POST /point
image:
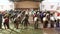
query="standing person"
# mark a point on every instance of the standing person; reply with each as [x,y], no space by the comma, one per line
[36,22]
[0,20]
[34,16]
[52,20]
[26,22]
[41,16]
[57,23]
[16,22]
[6,22]
[45,22]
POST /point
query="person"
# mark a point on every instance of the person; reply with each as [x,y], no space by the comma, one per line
[26,22]
[0,20]
[36,22]
[45,22]
[16,22]
[6,22]
[52,20]
[41,17]
[57,23]
[34,16]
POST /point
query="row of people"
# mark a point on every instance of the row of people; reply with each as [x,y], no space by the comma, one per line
[45,18]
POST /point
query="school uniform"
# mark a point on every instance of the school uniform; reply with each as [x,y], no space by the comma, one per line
[6,22]
[45,22]
[52,21]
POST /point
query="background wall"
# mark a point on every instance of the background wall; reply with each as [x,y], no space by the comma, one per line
[26,4]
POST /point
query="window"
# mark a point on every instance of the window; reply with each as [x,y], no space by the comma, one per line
[6,5]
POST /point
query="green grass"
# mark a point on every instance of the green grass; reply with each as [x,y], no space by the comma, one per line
[32,31]
[29,30]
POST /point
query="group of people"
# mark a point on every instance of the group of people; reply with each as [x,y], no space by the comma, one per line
[16,19]
[46,18]
[23,18]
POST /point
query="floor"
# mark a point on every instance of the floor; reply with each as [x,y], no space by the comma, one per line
[29,30]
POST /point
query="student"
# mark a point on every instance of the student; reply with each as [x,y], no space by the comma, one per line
[26,22]
[52,20]
[57,23]
[16,22]
[6,22]
[36,23]
[34,16]
[41,17]
[45,22]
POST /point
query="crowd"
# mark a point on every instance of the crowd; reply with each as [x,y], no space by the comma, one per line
[21,17]
[47,18]
[16,18]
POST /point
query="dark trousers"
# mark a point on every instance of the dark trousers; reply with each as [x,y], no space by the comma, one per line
[41,20]
[45,24]
[0,21]
[52,24]
[16,25]
[36,25]
[6,24]
[26,23]
[0,25]
[57,24]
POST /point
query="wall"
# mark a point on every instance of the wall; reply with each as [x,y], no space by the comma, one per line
[26,4]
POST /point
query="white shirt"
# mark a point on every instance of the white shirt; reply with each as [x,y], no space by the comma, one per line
[35,18]
[44,19]
[52,18]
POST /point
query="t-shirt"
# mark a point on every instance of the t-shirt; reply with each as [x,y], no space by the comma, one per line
[6,20]
[44,19]
[52,18]
[35,19]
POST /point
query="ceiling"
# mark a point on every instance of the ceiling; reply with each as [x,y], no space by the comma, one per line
[26,0]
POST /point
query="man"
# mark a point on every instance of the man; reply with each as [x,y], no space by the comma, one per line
[26,22]
[36,22]
[6,22]
[41,16]
[52,20]
[45,22]
[57,22]
[16,22]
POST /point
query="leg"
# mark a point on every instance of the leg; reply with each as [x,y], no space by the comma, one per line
[52,24]
[8,25]
[36,25]
[0,25]
[5,25]
[17,25]
[45,24]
